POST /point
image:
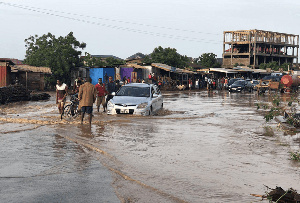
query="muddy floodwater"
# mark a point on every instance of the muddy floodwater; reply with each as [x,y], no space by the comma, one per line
[202,147]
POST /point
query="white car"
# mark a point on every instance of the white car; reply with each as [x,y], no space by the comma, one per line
[136,98]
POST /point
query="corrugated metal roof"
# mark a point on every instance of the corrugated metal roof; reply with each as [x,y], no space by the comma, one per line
[27,68]
[163,66]
[171,69]
[223,70]
[135,66]
[11,61]
[179,70]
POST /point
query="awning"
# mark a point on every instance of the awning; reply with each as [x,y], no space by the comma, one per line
[133,65]
[164,67]
[171,69]
[179,70]
[222,70]
[27,68]
[203,70]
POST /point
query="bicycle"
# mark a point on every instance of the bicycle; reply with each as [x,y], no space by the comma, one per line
[71,110]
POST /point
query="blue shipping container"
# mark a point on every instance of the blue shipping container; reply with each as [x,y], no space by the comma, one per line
[104,73]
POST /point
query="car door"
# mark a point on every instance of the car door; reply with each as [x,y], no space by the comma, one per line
[153,99]
[158,98]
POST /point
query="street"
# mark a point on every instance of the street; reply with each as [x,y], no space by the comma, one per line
[202,147]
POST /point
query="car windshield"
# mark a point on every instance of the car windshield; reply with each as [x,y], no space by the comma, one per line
[134,91]
[231,81]
[255,82]
[239,82]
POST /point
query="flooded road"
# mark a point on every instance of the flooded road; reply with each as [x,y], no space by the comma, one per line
[203,147]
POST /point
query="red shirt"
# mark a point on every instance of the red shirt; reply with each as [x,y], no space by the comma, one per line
[101,91]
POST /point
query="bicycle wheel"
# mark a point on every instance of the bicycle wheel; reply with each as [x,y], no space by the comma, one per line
[68,110]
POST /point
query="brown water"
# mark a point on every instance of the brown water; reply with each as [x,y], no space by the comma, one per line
[203,147]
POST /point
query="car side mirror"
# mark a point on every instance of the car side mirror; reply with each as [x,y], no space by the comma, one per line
[113,94]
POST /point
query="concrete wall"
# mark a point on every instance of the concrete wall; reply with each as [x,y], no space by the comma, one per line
[227,61]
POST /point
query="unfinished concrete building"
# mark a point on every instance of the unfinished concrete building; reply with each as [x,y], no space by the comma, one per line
[253,47]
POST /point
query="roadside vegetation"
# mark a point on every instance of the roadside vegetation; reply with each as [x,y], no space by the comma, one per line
[295,156]
[287,109]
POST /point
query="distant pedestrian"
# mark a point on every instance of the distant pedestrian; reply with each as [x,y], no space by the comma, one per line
[87,96]
[111,87]
[118,85]
[61,95]
[190,83]
[209,83]
[226,83]
[222,82]
[77,84]
[101,92]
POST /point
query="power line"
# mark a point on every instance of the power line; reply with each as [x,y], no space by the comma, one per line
[118,21]
[52,13]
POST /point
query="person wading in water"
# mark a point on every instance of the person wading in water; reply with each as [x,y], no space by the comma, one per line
[61,95]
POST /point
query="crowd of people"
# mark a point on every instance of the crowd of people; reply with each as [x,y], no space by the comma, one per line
[87,94]
[101,93]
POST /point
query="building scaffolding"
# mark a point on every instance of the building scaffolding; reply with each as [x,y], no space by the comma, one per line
[253,47]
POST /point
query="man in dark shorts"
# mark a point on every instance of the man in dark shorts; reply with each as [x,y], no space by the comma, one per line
[87,96]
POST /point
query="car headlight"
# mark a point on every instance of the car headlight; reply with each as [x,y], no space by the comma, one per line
[142,105]
[110,104]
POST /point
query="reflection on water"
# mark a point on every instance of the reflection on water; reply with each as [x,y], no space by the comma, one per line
[90,131]
[85,131]
[69,156]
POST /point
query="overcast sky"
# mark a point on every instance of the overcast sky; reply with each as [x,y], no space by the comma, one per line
[123,28]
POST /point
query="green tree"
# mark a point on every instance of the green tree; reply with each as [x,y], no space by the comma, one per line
[286,66]
[263,66]
[60,54]
[208,60]
[110,61]
[90,61]
[147,60]
[168,56]
[274,66]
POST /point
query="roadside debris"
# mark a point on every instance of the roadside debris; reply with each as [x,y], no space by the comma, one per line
[19,93]
[41,96]
[13,94]
[281,196]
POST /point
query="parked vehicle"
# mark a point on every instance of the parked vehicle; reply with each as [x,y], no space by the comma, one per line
[232,80]
[251,85]
[238,86]
[136,98]
[274,78]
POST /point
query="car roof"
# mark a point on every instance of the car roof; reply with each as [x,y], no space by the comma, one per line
[139,85]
